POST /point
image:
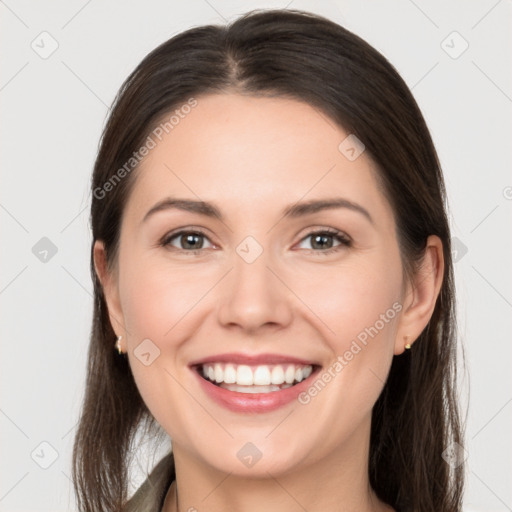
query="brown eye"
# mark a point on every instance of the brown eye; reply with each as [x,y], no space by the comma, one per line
[323,241]
[188,241]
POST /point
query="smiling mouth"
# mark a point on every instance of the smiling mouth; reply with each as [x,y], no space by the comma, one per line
[255,379]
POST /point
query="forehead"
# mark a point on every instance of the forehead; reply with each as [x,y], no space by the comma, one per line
[244,151]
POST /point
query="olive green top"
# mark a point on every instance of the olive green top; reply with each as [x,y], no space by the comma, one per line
[150,496]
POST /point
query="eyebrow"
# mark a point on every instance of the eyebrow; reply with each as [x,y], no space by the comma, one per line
[295,210]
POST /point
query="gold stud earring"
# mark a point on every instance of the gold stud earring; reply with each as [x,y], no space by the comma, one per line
[407,345]
[118,344]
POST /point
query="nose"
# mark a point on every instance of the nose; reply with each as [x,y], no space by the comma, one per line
[254,296]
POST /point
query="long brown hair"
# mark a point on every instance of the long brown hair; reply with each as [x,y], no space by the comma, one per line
[302,56]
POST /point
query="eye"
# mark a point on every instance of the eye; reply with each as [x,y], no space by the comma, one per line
[189,241]
[322,241]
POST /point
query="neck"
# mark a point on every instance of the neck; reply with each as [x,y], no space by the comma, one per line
[337,482]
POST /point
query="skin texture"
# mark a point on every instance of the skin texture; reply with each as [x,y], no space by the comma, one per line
[252,157]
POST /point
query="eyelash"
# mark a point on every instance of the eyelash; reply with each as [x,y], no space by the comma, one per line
[344,240]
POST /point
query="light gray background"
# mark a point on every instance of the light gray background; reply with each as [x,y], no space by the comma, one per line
[53,110]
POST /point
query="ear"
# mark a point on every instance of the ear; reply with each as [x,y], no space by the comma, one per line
[109,283]
[421,295]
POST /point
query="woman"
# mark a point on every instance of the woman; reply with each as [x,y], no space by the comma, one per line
[271,261]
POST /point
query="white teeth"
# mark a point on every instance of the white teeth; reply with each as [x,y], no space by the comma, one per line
[230,374]
[277,375]
[262,376]
[244,376]
[253,389]
[268,376]
[219,377]
[289,375]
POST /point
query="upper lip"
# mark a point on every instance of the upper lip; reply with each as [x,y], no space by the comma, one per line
[251,359]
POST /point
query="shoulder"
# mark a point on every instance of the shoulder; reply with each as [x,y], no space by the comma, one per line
[151,494]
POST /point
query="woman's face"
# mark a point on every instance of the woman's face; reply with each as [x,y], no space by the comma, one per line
[259,282]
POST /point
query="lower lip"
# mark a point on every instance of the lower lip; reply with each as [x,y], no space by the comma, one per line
[253,402]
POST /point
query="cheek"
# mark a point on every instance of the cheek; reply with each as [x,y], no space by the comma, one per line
[156,303]
[357,312]
[157,296]
[350,300]
[366,312]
